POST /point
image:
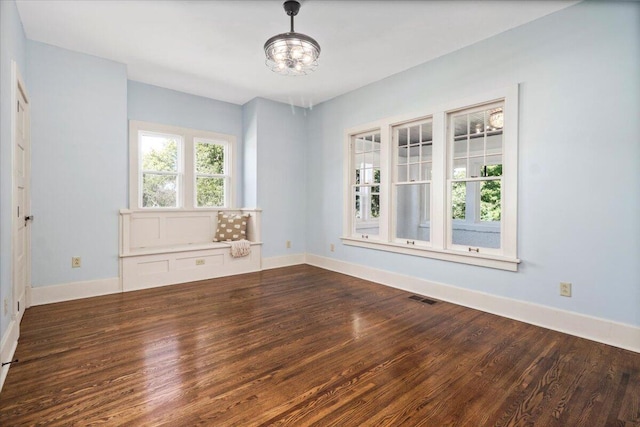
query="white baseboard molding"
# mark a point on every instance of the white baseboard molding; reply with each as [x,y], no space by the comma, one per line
[76,290]
[8,346]
[593,328]
[282,261]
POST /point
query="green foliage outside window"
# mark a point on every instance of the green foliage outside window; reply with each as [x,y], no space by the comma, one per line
[160,190]
[209,160]
[490,196]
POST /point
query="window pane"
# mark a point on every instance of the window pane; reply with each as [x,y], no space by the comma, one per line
[414,172]
[368,159]
[490,201]
[402,137]
[459,169]
[460,125]
[403,155]
[493,166]
[368,144]
[159,191]
[427,152]
[402,173]
[412,212]
[209,191]
[414,134]
[494,144]
[367,176]
[427,132]
[414,153]
[476,123]
[460,148]
[476,146]
[159,153]
[366,209]
[426,171]
[458,200]
[209,158]
[476,211]
[376,176]
[375,159]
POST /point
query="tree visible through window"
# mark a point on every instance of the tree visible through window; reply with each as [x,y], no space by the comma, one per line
[179,168]
[441,183]
[160,170]
[210,174]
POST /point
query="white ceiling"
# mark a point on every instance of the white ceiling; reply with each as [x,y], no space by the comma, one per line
[215,48]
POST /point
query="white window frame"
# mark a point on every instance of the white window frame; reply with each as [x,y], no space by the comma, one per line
[186,157]
[438,247]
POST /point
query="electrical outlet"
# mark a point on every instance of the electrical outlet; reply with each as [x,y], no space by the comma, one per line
[565,289]
[288,244]
[200,261]
[332,247]
[75,262]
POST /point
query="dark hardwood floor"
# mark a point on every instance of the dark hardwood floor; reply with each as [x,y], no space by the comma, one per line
[304,346]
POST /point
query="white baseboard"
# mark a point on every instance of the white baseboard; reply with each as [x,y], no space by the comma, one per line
[8,346]
[589,327]
[75,290]
[282,261]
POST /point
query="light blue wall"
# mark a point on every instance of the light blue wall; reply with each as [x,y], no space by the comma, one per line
[159,105]
[280,176]
[579,166]
[12,47]
[79,163]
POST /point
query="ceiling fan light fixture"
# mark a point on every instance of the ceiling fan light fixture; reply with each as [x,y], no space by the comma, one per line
[292,54]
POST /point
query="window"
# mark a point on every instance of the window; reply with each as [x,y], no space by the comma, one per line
[212,173]
[173,167]
[442,184]
[365,183]
[412,186]
[475,178]
[160,169]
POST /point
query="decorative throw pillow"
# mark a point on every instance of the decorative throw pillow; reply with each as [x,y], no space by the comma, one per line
[231,227]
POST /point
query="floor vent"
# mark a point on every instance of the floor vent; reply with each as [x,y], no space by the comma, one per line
[422,299]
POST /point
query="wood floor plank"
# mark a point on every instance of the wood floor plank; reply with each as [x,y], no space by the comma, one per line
[303,346]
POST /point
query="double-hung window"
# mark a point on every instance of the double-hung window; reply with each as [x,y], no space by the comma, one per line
[439,184]
[160,169]
[179,168]
[365,184]
[413,143]
[475,178]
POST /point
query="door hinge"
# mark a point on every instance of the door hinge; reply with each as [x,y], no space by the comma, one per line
[18,306]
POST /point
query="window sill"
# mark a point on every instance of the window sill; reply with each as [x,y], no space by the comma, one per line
[482,260]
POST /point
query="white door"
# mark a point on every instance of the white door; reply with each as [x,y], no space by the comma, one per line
[21,197]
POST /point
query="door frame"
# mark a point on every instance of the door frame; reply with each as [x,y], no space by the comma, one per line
[17,84]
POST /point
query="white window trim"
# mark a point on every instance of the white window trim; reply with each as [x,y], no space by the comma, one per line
[438,244]
[186,168]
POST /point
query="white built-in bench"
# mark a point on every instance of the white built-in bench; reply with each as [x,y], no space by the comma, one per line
[160,248]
